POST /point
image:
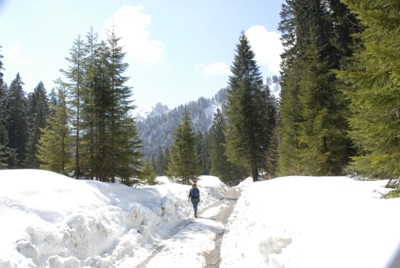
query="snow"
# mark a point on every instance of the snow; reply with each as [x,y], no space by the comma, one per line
[49,220]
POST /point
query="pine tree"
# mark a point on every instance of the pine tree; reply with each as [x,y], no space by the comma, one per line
[248,126]
[220,166]
[54,146]
[183,162]
[93,82]
[125,143]
[374,82]
[160,162]
[313,130]
[37,113]
[148,174]
[75,78]
[16,120]
[203,152]
[3,132]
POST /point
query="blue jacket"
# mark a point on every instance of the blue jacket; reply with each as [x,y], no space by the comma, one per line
[194,192]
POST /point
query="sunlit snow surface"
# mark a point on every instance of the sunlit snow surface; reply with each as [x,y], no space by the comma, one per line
[49,220]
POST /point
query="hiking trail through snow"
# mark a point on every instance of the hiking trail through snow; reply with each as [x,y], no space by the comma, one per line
[191,243]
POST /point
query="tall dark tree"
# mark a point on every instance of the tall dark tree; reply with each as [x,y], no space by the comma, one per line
[95,80]
[16,120]
[3,131]
[183,162]
[203,153]
[314,138]
[38,110]
[125,144]
[248,126]
[220,166]
[373,87]
[160,161]
[75,76]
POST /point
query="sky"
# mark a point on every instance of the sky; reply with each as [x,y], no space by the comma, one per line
[49,220]
[177,51]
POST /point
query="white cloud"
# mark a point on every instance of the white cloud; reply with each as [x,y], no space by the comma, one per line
[13,53]
[266,46]
[216,68]
[27,61]
[131,25]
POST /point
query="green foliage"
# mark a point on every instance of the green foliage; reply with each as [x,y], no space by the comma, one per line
[38,110]
[104,136]
[183,162]
[148,174]
[313,132]
[373,88]
[203,152]
[220,166]
[54,146]
[3,131]
[393,194]
[249,123]
[15,116]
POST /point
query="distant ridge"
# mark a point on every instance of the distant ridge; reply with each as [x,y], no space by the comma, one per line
[156,125]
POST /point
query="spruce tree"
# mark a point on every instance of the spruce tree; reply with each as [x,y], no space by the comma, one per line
[248,126]
[16,120]
[3,132]
[313,110]
[94,70]
[54,145]
[75,76]
[203,152]
[148,175]
[183,162]
[38,110]
[373,87]
[220,166]
[125,143]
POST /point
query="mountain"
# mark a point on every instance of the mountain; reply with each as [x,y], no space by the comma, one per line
[156,125]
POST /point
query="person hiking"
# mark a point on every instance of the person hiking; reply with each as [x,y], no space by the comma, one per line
[194,196]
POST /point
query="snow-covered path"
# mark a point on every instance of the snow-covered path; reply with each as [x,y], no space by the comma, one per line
[52,221]
[197,242]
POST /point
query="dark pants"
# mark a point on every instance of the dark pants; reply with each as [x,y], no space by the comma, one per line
[195,202]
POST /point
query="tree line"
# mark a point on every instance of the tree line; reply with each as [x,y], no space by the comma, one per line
[86,129]
[338,110]
[339,104]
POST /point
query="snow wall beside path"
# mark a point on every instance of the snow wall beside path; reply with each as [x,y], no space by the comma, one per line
[312,222]
[49,220]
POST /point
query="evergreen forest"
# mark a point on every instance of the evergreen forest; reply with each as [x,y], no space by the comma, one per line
[338,111]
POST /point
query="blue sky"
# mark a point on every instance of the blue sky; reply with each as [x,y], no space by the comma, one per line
[178,51]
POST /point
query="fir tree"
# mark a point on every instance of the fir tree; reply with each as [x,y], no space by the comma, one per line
[373,78]
[183,162]
[220,166]
[54,146]
[75,79]
[148,174]
[16,120]
[37,113]
[125,142]
[248,126]
[3,131]
[203,152]
[313,133]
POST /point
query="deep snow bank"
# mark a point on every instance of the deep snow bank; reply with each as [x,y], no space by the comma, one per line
[312,222]
[49,220]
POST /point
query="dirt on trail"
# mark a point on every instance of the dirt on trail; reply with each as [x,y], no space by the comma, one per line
[193,231]
[227,205]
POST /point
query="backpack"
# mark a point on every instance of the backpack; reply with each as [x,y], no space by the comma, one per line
[194,192]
